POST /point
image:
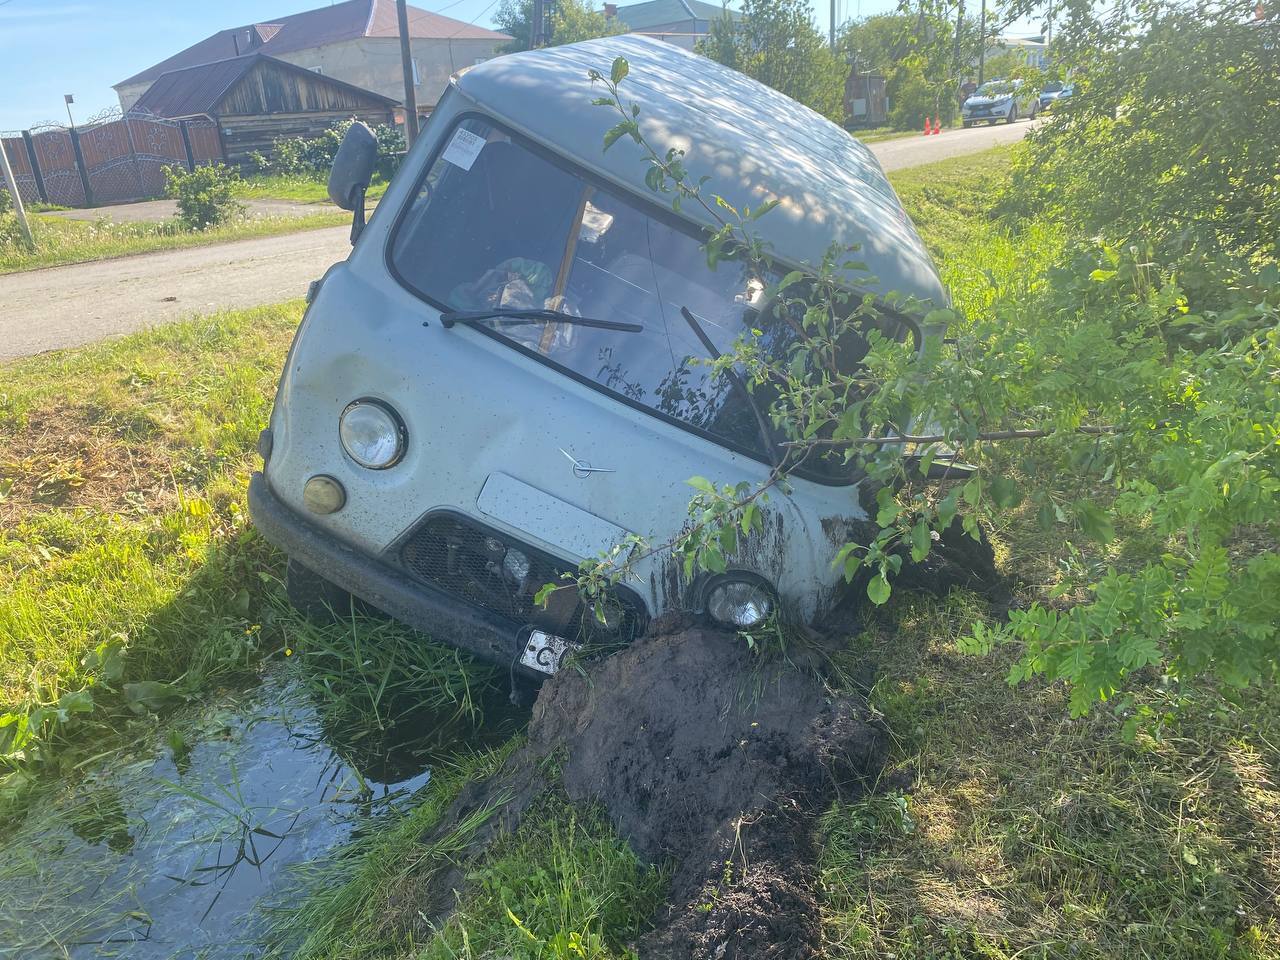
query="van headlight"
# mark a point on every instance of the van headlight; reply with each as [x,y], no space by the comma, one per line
[372,434]
[740,601]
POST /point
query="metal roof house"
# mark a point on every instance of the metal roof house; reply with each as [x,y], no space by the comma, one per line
[255,98]
[356,42]
[682,22]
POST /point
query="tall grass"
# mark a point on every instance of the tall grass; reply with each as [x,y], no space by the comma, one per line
[130,578]
[61,241]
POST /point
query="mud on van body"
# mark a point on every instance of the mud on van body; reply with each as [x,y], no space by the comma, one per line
[499,381]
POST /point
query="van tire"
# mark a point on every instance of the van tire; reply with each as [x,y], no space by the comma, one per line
[317,599]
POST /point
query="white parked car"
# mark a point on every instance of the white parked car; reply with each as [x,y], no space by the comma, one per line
[500,380]
[1000,100]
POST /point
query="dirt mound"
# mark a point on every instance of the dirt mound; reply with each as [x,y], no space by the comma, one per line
[711,757]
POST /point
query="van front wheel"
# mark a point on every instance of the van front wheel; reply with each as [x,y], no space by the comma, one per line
[320,601]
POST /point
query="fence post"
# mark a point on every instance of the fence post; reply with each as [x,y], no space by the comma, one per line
[35,167]
[186,145]
[133,157]
[84,174]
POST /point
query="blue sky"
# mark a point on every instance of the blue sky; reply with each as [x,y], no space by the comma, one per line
[82,47]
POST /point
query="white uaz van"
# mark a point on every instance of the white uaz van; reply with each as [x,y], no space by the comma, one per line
[499,381]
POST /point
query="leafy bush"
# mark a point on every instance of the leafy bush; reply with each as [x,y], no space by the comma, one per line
[1170,137]
[1104,394]
[299,156]
[912,98]
[6,202]
[205,195]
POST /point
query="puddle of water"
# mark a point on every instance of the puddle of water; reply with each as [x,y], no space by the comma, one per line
[157,858]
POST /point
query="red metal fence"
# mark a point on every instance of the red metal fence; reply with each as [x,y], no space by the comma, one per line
[112,160]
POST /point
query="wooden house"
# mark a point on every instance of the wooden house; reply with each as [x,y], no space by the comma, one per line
[255,99]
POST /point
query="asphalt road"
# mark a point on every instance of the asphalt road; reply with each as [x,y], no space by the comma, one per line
[68,306]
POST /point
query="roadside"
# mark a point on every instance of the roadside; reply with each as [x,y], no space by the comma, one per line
[903,152]
[158,210]
[70,306]
[128,570]
[74,243]
[77,304]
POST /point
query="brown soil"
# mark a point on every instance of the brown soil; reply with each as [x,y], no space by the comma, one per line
[709,758]
[65,457]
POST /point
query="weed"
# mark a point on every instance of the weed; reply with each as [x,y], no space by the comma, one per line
[562,887]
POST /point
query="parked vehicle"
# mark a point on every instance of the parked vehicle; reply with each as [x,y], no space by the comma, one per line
[502,379]
[1054,92]
[1000,100]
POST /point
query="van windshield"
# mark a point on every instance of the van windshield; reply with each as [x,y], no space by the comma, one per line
[499,225]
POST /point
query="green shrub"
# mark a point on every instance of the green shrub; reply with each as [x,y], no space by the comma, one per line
[205,195]
[300,156]
[1170,138]
[912,98]
[6,203]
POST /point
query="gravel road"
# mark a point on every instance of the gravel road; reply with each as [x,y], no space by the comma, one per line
[68,306]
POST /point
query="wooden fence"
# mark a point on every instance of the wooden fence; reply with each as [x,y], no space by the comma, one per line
[114,160]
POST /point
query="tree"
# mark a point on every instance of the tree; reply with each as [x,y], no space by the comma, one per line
[880,42]
[776,42]
[916,54]
[573,20]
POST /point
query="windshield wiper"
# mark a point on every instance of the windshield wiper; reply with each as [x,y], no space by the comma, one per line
[762,425]
[533,315]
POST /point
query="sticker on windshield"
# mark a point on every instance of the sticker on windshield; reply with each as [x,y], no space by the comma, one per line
[463,149]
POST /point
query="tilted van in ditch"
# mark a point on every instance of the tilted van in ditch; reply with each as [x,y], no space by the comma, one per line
[500,381]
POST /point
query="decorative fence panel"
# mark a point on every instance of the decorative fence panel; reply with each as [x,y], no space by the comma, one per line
[59,169]
[15,149]
[111,160]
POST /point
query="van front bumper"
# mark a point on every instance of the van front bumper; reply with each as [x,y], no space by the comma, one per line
[443,617]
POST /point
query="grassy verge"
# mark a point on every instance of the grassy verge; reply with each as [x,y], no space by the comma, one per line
[1028,834]
[125,557]
[298,188]
[880,134]
[61,241]
[129,577]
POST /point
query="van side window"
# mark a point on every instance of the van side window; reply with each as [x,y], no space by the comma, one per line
[498,224]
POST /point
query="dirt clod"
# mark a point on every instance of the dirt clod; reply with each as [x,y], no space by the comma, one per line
[714,759]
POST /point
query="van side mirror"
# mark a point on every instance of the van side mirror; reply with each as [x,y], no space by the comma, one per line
[351,172]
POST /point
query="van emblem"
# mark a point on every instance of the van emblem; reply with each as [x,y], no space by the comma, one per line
[582,469]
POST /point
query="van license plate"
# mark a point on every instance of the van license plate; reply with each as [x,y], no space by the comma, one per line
[544,651]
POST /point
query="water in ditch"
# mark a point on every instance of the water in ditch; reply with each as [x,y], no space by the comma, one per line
[175,851]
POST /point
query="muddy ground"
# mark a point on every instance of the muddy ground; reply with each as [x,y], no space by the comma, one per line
[713,758]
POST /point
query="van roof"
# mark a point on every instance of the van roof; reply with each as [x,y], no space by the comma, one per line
[752,141]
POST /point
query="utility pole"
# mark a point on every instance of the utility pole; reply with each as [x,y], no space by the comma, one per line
[12,183]
[406,64]
[982,45]
[833,24]
[68,99]
[535,24]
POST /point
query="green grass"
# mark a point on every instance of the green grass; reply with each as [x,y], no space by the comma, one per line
[562,886]
[1029,834]
[1025,833]
[61,241]
[129,574]
[302,189]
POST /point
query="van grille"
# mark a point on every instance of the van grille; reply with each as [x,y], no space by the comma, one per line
[496,572]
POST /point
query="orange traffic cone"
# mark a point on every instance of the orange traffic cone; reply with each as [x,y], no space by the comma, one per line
[927,131]
[937,125]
